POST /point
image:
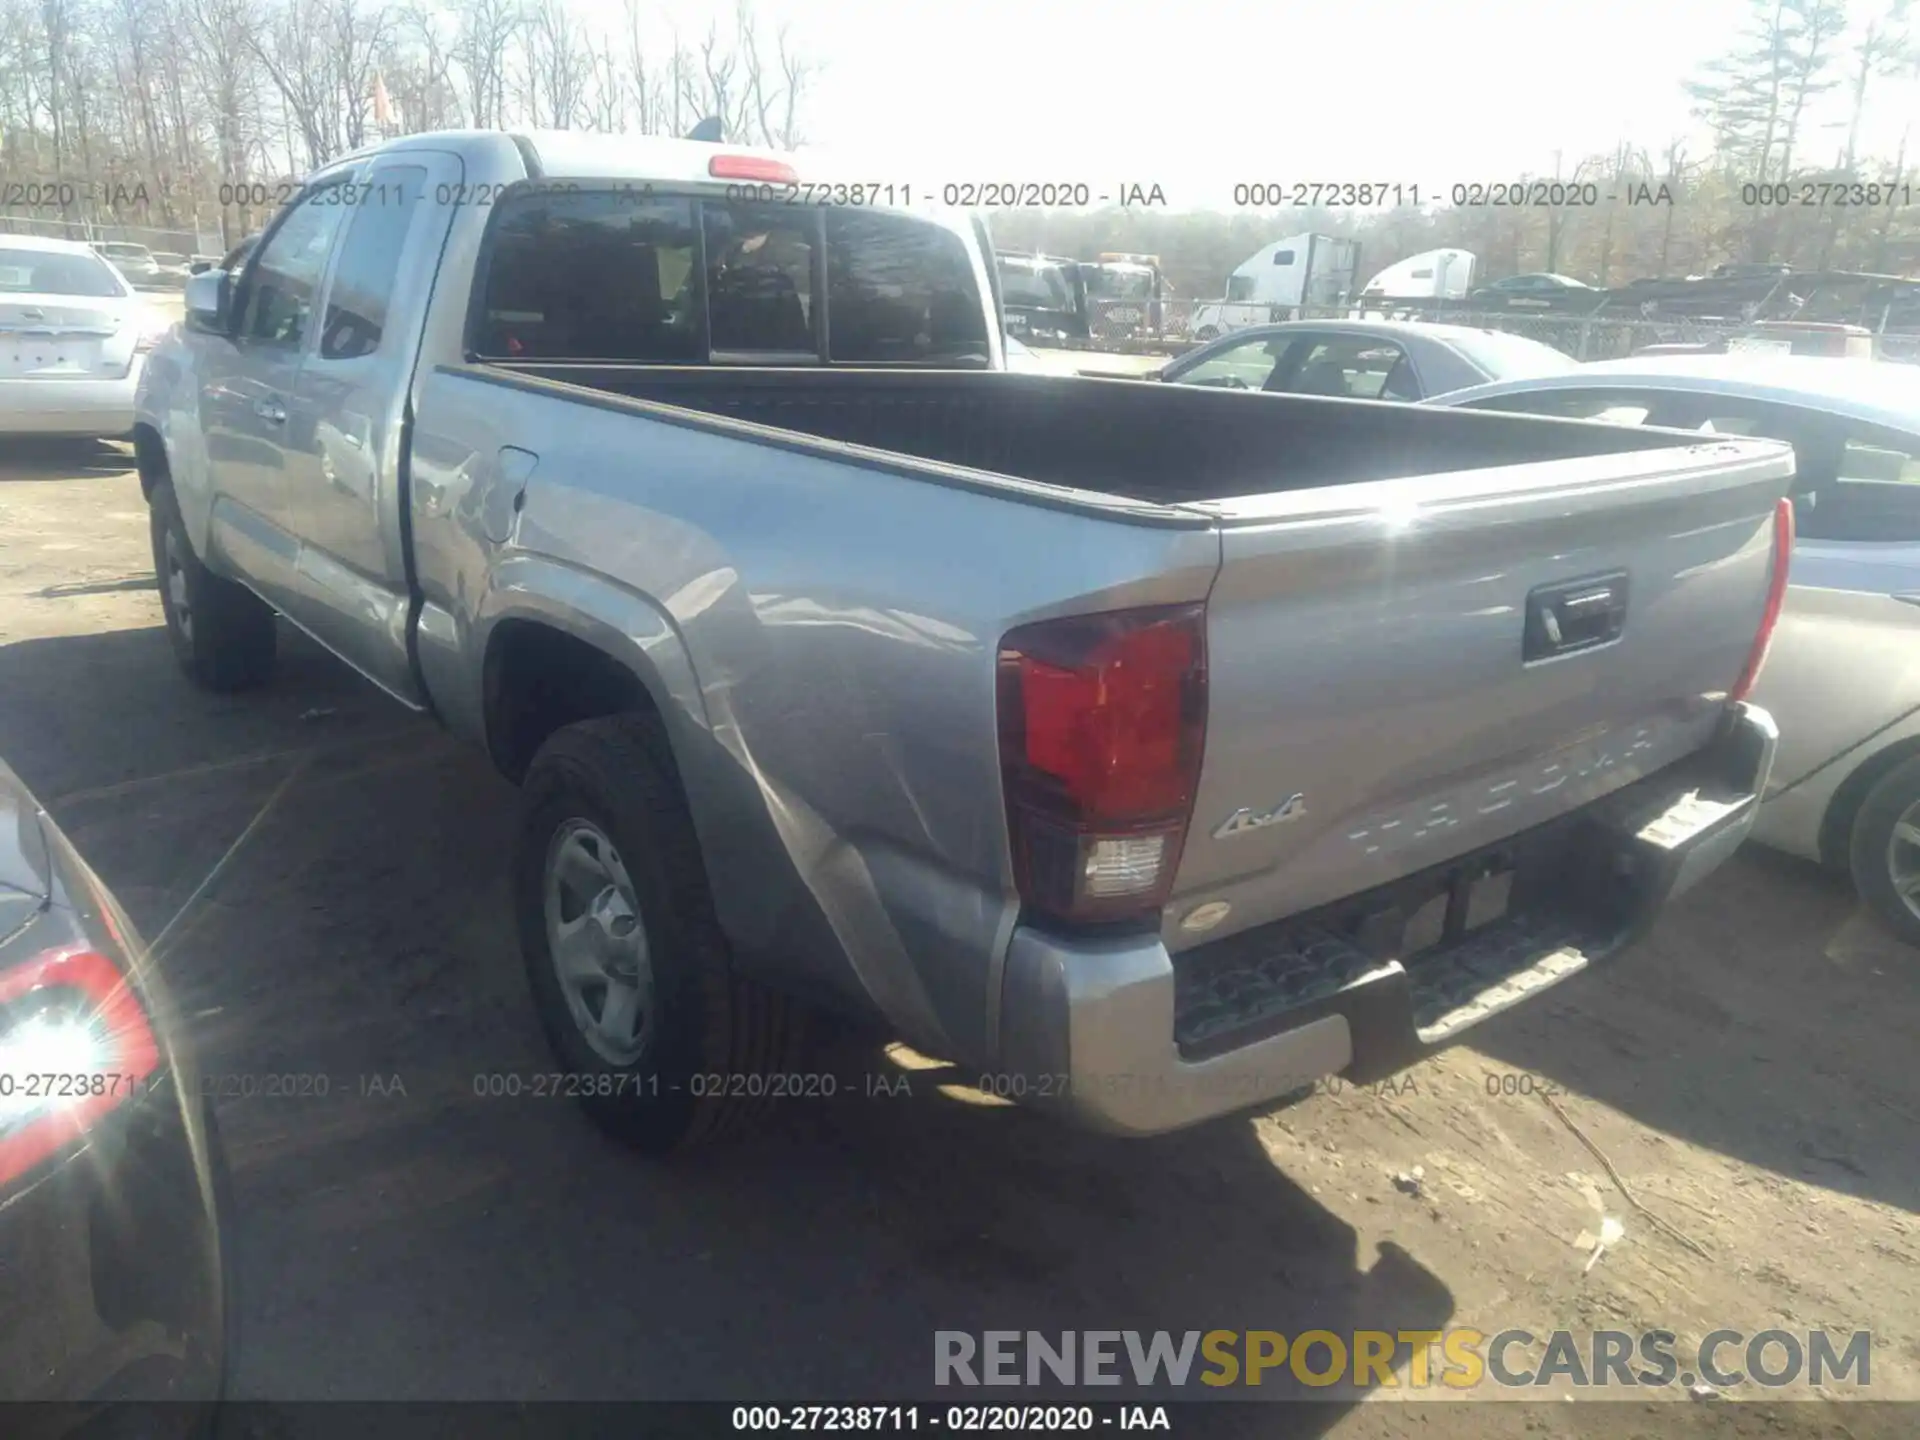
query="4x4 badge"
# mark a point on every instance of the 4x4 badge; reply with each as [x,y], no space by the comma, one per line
[1246,818]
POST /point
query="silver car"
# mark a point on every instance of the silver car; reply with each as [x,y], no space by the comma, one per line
[1843,677]
[73,339]
[1364,359]
[136,262]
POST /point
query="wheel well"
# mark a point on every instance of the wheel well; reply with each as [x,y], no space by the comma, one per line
[1836,829]
[150,456]
[538,679]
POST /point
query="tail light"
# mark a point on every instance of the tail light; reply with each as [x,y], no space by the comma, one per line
[1102,722]
[75,1043]
[149,331]
[1776,598]
[752,167]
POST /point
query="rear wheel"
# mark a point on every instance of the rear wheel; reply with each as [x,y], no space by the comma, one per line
[663,1044]
[1885,851]
[1207,332]
[222,632]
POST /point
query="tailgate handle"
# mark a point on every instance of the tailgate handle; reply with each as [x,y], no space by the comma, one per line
[1574,615]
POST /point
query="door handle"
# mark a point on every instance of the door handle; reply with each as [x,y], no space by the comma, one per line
[1574,615]
[272,411]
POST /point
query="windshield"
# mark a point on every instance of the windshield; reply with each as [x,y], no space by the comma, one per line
[1035,287]
[1240,287]
[57,272]
[1120,282]
[126,252]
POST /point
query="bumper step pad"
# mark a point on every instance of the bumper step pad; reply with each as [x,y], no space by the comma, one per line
[1244,991]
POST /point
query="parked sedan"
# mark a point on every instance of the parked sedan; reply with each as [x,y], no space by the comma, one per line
[113,1281]
[73,340]
[1364,359]
[136,262]
[1843,678]
[1539,283]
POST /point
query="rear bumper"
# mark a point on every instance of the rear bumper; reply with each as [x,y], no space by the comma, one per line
[1118,1035]
[79,408]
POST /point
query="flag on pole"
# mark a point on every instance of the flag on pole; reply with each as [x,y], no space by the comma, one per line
[382,106]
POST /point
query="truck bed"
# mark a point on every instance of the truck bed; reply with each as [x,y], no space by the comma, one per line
[1377,581]
[1144,441]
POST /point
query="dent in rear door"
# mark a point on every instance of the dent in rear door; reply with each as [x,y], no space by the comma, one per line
[344,480]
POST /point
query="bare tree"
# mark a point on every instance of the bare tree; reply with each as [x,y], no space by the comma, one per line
[1885,49]
[556,66]
[484,40]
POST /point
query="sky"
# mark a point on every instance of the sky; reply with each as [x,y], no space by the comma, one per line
[1198,95]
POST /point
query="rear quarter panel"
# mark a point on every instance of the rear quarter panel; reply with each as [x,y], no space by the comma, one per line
[820,631]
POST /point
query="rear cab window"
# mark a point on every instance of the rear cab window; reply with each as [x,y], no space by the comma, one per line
[621,272]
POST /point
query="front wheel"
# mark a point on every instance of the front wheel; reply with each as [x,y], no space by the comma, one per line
[222,633]
[631,976]
[1207,332]
[1885,850]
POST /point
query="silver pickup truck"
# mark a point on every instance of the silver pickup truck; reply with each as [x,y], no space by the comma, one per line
[1156,750]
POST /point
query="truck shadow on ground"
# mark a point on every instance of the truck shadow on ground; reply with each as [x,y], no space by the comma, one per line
[1768,1017]
[411,1228]
[31,459]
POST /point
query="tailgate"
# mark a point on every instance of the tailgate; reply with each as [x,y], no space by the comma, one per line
[1403,671]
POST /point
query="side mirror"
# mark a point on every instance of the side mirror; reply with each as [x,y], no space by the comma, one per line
[206,302]
[199,267]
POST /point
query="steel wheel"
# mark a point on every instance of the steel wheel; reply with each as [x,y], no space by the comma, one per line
[598,943]
[175,580]
[1903,858]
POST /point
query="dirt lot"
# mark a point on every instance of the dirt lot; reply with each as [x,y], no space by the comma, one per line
[1749,1075]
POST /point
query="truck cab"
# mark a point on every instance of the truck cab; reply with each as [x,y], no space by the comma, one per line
[1302,271]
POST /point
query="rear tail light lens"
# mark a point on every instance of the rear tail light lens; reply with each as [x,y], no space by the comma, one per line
[75,1043]
[1776,598]
[1102,723]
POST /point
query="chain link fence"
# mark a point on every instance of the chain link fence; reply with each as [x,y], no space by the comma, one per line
[172,250]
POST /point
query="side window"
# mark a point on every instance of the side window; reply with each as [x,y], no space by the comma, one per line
[760,297]
[1616,407]
[369,263]
[281,284]
[903,289]
[1853,481]
[1246,366]
[1400,383]
[591,275]
[1354,368]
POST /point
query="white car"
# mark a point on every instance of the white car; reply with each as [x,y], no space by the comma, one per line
[73,339]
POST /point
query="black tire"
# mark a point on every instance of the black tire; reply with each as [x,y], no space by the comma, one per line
[225,640]
[1207,333]
[714,1037]
[1871,848]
